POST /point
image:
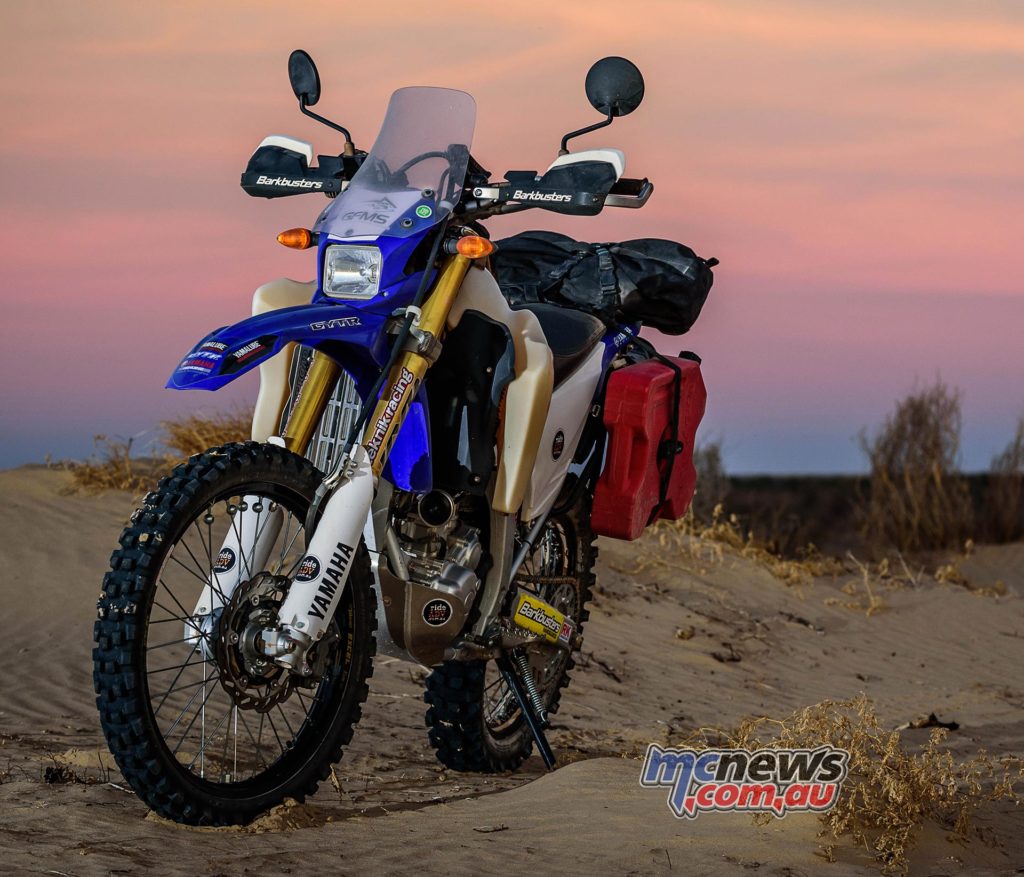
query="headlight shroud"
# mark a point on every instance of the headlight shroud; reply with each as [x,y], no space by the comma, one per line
[351,271]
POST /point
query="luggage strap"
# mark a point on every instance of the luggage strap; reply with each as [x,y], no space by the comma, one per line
[606,271]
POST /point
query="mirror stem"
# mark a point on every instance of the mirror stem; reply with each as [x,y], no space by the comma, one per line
[308,112]
[564,150]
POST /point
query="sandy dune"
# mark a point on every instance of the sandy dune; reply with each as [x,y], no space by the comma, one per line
[935,649]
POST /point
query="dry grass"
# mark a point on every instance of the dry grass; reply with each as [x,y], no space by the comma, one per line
[111,467]
[688,542]
[114,467]
[1004,496]
[712,481]
[891,791]
[917,499]
[194,433]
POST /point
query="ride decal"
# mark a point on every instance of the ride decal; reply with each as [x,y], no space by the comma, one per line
[775,781]
[334,577]
[225,560]
[558,445]
[537,616]
[437,612]
[380,429]
[308,569]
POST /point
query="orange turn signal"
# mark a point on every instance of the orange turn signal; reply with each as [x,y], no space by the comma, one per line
[296,238]
[474,247]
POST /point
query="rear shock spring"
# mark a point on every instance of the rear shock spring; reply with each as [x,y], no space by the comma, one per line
[530,684]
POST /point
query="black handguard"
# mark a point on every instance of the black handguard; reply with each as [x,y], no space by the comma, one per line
[276,171]
[578,189]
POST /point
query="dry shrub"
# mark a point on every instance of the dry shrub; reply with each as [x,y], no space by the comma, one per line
[712,482]
[1004,495]
[194,433]
[918,499]
[113,467]
[890,791]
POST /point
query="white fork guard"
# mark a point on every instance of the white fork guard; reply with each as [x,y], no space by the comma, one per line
[320,580]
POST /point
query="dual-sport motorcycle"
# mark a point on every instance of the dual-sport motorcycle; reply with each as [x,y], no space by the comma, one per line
[443,427]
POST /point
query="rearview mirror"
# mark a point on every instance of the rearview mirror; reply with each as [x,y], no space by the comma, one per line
[614,86]
[304,78]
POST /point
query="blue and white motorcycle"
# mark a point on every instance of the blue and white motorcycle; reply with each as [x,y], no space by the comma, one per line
[418,482]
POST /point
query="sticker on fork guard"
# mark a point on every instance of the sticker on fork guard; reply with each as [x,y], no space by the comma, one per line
[538,617]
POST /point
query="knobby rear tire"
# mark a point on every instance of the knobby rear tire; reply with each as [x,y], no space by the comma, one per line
[455,690]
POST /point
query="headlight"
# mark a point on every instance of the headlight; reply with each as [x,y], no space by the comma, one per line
[351,271]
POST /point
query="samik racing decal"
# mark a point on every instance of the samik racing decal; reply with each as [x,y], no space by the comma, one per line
[775,781]
[520,195]
[380,429]
[537,616]
[334,577]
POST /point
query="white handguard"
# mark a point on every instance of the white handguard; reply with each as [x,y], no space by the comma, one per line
[321,575]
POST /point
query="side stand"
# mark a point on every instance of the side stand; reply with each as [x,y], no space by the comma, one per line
[512,680]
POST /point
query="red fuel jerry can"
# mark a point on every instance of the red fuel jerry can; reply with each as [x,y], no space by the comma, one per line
[638,417]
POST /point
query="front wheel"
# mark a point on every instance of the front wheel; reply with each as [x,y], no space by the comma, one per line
[204,730]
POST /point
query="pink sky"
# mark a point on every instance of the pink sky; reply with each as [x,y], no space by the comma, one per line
[858,168]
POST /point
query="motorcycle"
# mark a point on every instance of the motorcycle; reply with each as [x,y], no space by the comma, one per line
[431,460]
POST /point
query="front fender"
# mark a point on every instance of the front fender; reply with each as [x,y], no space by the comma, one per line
[231,351]
[354,338]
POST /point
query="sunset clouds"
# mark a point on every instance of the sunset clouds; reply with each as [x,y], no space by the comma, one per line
[858,167]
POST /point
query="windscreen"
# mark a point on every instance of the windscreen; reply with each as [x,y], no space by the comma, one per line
[413,176]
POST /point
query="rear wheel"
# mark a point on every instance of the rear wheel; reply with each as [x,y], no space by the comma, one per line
[475,722]
[204,730]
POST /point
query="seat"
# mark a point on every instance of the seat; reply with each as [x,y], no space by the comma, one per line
[570,334]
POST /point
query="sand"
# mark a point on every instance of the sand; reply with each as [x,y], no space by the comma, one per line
[934,648]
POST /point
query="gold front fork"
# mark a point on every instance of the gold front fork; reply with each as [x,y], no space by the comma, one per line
[311,402]
[402,383]
[412,364]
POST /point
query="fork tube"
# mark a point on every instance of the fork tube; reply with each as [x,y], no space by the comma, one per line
[311,402]
[411,365]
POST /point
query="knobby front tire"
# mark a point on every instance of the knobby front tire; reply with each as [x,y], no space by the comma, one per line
[152,732]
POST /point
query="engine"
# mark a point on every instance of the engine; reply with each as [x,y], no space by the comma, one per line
[430,578]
